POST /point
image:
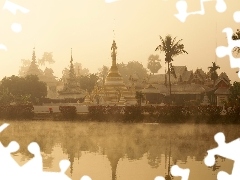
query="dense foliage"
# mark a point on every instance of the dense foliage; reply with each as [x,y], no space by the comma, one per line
[213,72]
[16,111]
[68,112]
[165,114]
[88,82]
[132,68]
[171,47]
[154,63]
[234,96]
[22,90]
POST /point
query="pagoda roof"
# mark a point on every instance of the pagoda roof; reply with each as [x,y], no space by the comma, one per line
[179,70]
[222,90]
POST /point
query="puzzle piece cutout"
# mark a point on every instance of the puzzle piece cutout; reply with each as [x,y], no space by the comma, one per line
[226,150]
[33,169]
[182,5]
[223,51]
[3,126]
[13,8]
[85,178]
[177,171]
[110,1]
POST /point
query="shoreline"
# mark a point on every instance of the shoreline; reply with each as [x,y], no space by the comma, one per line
[145,118]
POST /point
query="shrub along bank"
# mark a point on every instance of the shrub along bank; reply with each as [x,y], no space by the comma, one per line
[165,114]
[157,114]
[16,112]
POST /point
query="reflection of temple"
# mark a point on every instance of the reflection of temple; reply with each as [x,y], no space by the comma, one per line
[114,88]
[71,88]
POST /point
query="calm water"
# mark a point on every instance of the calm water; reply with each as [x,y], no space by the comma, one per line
[107,151]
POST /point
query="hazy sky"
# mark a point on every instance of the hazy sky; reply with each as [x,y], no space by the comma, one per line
[87,26]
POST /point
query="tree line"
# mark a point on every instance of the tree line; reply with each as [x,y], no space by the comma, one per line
[29,89]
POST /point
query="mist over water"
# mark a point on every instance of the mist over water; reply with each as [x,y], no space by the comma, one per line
[120,151]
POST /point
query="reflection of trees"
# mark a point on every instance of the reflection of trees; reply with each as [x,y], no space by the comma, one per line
[117,140]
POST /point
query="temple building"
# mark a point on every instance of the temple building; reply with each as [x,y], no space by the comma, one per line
[71,89]
[33,68]
[46,76]
[114,90]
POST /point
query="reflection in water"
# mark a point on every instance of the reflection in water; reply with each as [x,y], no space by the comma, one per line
[119,151]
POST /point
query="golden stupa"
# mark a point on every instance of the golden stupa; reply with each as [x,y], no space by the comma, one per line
[114,88]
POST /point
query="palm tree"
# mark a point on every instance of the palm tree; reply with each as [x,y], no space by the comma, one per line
[213,72]
[171,47]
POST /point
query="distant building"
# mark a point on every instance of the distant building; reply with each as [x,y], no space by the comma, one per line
[33,68]
[222,86]
[114,90]
[46,76]
[71,89]
[187,86]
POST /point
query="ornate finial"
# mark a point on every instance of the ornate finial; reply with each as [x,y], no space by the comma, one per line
[71,56]
[114,46]
[114,28]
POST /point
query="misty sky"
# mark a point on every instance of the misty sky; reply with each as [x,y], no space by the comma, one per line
[87,26]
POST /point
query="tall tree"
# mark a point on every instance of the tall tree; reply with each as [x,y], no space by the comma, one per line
[47,57]
[132,68]
[19,87]
[79,70]
[24,68]
[103,72]
[88,82]
[154,63]
[171,47]
[213,72]
[234,96]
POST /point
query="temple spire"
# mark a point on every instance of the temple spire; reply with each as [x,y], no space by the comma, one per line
[114,53]
[71,71]
[34,56]
[71,57]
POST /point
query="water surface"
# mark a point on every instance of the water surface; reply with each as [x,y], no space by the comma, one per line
[107,151]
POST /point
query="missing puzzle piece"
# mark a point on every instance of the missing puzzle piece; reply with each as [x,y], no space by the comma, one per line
[226,150]
[7,164]
[182,6]
[177,171]
[223,51]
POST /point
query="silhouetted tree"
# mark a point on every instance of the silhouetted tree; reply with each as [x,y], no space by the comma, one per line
[213,72]
[47,57]
[234,96]
[24,68]
[88,82]
[103,72]
[171,47]
[131,68]
[79,70]
[28,87]
[154,63]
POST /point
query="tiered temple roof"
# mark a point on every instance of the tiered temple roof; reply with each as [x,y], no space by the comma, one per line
[33,68]
[71,88]
[114,88]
